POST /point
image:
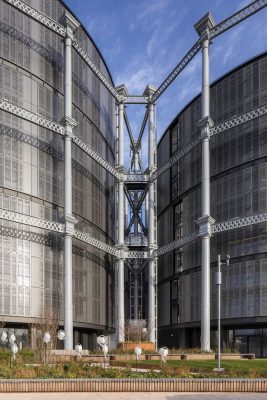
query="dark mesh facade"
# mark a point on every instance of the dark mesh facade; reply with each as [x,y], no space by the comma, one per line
[238,168]
[32,173]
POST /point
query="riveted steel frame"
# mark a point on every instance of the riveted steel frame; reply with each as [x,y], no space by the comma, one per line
[120,252]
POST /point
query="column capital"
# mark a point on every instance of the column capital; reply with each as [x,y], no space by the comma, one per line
[204,125]
[69,123]
[122,92]
[149,91]
[204,25]
[70,221]
[70,23]
[204,224]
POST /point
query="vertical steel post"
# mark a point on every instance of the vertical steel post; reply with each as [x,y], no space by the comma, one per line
[151,220]
[120,321]
[136,295]
[203,28]
[219,283]
[71,26]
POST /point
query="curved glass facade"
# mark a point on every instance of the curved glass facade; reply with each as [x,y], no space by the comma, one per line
[31,182]
[238,168]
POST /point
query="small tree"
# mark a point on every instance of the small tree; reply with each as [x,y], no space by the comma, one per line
[49,323]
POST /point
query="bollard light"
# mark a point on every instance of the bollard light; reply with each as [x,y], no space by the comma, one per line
[163,352]
[138,352]
[101,340]
[46,337]
[105,349]
[78,349]
[61,335]
[14,349]
[4,337]
[12,339]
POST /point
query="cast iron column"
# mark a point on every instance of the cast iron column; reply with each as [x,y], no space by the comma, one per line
[151,219]
[203,28]
[71,25]
[120,320]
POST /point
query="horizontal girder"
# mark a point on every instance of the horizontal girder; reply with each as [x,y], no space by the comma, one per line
[238,222]
[240,119]
[239,16]
[38,16]
[96,70]
[32,221]
[177,70]
[30,116]
[222,127]
[216,31]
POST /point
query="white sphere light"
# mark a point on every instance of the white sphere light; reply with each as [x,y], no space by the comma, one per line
[78,348]
[14,348]
[4,336]
[138,351]
[47,337]
[61,334]
[105,349]
[101,340]
[12,338]
[163,352]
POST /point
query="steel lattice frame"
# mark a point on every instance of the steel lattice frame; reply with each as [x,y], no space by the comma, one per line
[148,98]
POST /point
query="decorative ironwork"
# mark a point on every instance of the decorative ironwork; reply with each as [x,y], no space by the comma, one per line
[238,222]
[30,116]
[85,237]
[46,240]
[135,100]
[135,178]
[88,150]
[96,70]
[38,16]
[176,158]
[240,119]
[176,244]
[136,254]
[239,16]
[32,221]
[139,240]
[176,71]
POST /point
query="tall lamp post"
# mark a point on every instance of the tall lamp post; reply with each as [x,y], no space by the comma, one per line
[219,283]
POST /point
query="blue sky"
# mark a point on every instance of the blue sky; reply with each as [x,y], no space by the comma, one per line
[142,40]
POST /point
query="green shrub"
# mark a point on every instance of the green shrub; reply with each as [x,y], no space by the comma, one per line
[4,356]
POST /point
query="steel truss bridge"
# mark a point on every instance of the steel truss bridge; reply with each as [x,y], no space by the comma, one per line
[136,240]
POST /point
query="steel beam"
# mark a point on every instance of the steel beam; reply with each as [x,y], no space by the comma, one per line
[38,16]
[238,17]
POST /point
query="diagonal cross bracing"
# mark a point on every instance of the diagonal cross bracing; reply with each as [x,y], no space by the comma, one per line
[239,16]
[38,16]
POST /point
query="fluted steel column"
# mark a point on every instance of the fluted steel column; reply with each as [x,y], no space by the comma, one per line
[203,28]
[151,222]
[71,26]
[120,322]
